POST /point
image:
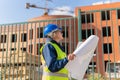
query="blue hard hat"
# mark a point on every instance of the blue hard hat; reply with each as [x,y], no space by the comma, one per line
[50,28]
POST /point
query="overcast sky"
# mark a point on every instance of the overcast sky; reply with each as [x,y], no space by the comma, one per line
[14,10]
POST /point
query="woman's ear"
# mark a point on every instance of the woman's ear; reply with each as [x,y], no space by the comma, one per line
[54,34]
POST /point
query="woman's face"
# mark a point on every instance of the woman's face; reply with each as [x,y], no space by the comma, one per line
[58,35]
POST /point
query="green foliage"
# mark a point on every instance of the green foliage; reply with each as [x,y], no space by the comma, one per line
[95,76]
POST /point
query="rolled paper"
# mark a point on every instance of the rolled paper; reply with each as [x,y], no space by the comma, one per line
[84,53]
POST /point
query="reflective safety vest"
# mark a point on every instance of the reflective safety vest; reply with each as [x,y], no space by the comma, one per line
[60,75]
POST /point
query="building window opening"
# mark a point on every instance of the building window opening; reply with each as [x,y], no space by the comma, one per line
[14,37]
[113,67]
[3,39]
[87,18]
[119,30]
[118,13]
[87,33]
[106,31]
[39,32]
[31,48]
[105,62]
[23,37]
[18,64]
[30,34]
[23,49]
[2,50]
[91,68]
[39,45]
[13,49]
[65,31]
[107,48]
[105,15]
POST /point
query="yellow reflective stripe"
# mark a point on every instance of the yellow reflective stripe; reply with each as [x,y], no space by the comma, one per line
[54,74]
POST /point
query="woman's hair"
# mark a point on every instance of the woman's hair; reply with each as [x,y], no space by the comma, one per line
[52,34]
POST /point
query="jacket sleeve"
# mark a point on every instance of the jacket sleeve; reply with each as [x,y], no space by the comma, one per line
[50,57]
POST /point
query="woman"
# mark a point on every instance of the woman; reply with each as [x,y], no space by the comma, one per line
[54,57]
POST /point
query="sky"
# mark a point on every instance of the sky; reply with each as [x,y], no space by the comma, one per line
[14,11]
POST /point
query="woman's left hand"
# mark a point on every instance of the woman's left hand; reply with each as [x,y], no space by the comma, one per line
[71,56]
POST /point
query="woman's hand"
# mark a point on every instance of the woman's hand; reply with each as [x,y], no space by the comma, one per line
[71,56]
